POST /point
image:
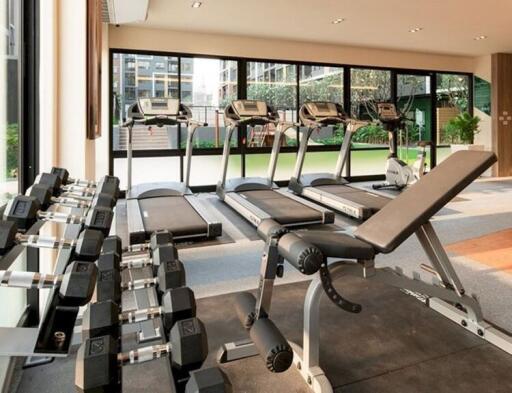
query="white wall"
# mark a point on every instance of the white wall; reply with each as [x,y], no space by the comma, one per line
[239,46]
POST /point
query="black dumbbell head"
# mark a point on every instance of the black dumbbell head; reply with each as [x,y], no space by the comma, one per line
[78,283]
[100,319]
[103,200]
[52,180]
[43,193]
[8,230]
[189,344]
[163,253]
[178,304]
[100,218]
[160,238]
[171,274]
[113,244]
[108,283]
[23,211]
[109,185]
[208,380]
[97,369]
[88,246]
[62,173]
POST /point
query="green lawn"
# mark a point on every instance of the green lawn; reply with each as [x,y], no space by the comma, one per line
[367,162]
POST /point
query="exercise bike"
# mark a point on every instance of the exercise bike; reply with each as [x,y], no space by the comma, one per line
[398,174]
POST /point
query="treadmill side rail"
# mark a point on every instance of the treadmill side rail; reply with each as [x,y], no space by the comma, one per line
[214,227]
[250,212]
[135,223]
[342,205]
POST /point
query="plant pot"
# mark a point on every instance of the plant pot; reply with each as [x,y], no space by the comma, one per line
[457,147]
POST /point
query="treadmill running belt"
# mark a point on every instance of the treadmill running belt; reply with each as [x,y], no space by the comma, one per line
[172,213]
[372,202]
[282,209]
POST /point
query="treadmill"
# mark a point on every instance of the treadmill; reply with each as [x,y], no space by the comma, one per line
[331,189]
[170,205]
[256,198]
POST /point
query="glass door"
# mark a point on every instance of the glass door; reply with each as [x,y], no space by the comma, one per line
[414,100]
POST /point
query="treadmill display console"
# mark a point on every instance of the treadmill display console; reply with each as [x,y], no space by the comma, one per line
[159,106]
[249,108]
[322,109]
[387,111]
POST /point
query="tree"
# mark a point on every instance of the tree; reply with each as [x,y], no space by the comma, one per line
[453,91]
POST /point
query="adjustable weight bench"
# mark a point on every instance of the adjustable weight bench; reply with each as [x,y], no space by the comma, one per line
[382,233]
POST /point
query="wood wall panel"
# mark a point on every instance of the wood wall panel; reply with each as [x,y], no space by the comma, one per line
[502,112]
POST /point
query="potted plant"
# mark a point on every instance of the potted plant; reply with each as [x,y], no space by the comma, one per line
[461,131]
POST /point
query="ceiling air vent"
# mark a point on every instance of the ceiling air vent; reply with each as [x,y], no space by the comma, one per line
[118,12]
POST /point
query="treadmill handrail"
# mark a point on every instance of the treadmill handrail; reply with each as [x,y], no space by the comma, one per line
[160,121]
[324,121]
[252,120]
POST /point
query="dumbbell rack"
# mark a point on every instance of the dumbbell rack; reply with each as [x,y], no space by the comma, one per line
[31,339]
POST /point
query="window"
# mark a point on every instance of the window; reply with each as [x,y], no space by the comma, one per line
[143,64]
[132,86]
[414,98]
[322,84]
[367,87]
[208,84]
[207,91]
[275,83]
[9,120]
[452,99]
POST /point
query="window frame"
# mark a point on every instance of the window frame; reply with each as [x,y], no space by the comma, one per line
[242,149]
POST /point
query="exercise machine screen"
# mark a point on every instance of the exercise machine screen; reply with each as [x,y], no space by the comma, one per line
[249,108]
[159,106]
[387,111]
[322,109]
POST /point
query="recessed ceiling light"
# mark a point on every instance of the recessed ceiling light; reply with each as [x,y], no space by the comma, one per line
[338,21]
[415,29]
[196,4]
[480,37]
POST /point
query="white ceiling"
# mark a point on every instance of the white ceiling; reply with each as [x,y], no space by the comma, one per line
[449,26]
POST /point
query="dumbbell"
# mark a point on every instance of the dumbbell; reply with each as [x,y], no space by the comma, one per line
[169,272]
[76,285]
[86,247]
[43,193]
[160,247]
[66,180]
[26,210]
[208,380]
[104,318]
[107,185]
[99,365]
[157,238]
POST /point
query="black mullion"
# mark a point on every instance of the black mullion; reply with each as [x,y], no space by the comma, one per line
[470,95]
[28,94]
[394,87]
[242,94]
[111,113]
[347,105]
[28,130]
[179,125]
[433,131]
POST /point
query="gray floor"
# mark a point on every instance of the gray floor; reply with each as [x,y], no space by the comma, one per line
[394,345]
